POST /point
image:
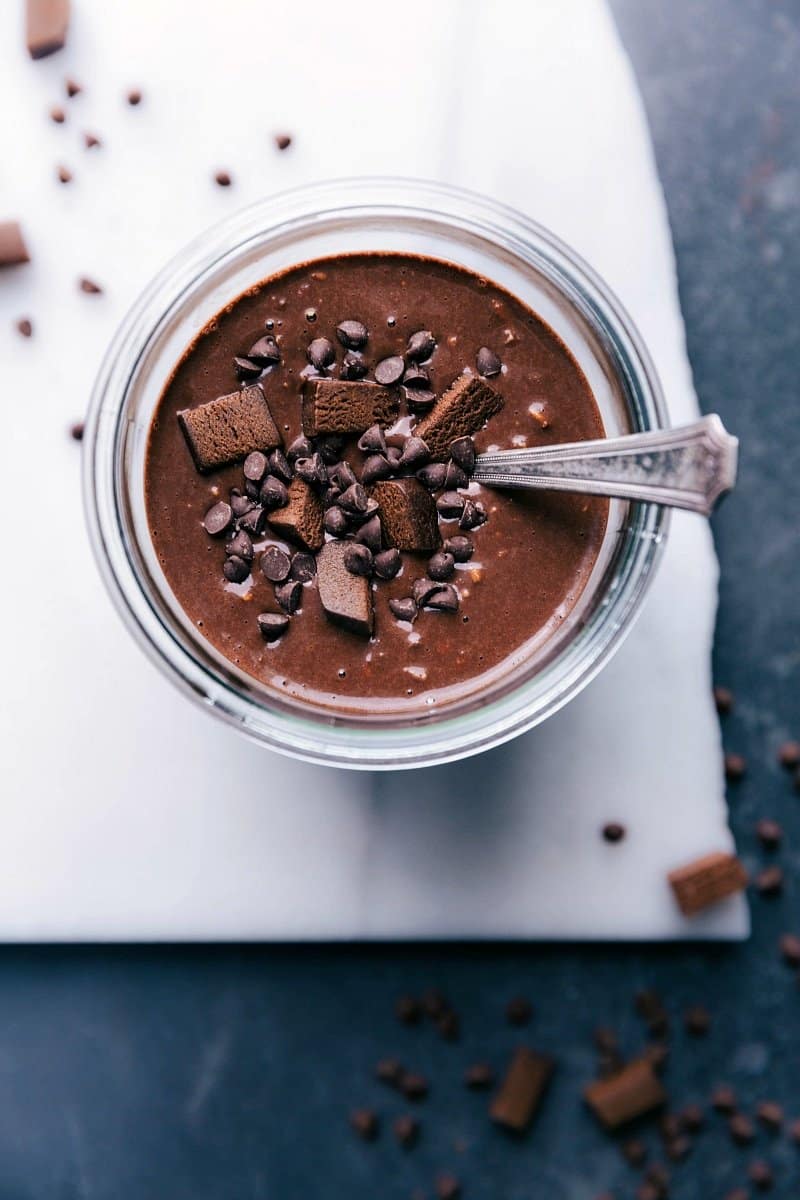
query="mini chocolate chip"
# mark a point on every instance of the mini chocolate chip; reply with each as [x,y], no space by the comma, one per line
[460,547]
[434,1002]
[279,466]
[388,1070]
[89,287]
[441,566]
[407,1008]
[372,440]
[255,466]
[354,499]
[724,700]
[769,882]
[24,327]
[613,831]
[769,833]
[240,504]
[222,178]
[275,564]
[335,522]
[406,1130]
[330,448]
[289,595]
[735,767]
[692,1118]
[245,369]
[770,1115]
[218,518]
[432,476]
[605,1039]
[413,1086]
[241,544]
[64,175]
[265,351]
[462,452]
[445,600]
[370,534]
[390,370]
[487,362]
[723,1099]
[789,755]
[358,559]
[57,114]
[697,1020]
[669,1126]
[72,87]
[420,401]
[447,1187]
[76,431]
[404,609]
[352,334]
[473,516]
[321,353]
[273,493]
[519,1011]
[354,365]
[134,97]
[272,625]
[415,452]
[421,345]
[300,448]
[760,1175]
[90,140]
[364,1122]
[387,563]
[448,1026]
[235,569]
[304,567]
[375,467]
[283,141]
[741,1129]
[479,1076]
[450,506]
[678,1148]
[454,477]
[416,377]
[794,1132]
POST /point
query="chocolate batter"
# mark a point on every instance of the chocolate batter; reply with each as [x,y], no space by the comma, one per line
[531,558]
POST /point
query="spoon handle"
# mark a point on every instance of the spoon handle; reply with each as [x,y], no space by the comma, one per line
[691,467]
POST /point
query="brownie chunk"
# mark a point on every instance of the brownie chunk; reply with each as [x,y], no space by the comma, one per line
[300,520]
[12,245]
[462,410]
[522,1089]
[46,26]
[229,428]
[346,598]
[632,1092]
[706,881]
[408,515]
[345,406]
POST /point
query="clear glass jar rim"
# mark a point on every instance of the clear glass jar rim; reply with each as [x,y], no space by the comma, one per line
[312,738]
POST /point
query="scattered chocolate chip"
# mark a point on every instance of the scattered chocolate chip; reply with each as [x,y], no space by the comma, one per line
[462,452]
[272,625]
[407,1009]
[723,1099]
[404,609]
[289,595]
[789,945]
[432,476]
[770,1115]
[769,833]
[794,1132]
[354,499]
[321,353]
[414,453]
[769,882]
[245,369]
[413,1085]
[76,431]
[255,466]
[375,467]
[46,25]
[24,327]
[444,600]
[275,564]
[741,1129]
[218,518]
[421,345]
[90,140]
[64,174]
[300,520]
[631,1093]
[240,504]
[387,563]
[134,97]
[240,545]
[479,1076]
[372,441]
[517,1101]
[487,362]
[723,699]
[416,377]
[300,448]
[634,1152]
[760,1175]
[707,881]
[423,589]
[789,755]
[89,287]
[235,569]
[304,567]
[358,559]
[692,1118]
[13,251]
[697,1020]
[57,114]
[222,178]
[613,831]
[454,477]
[450,506]
[278,465]
[72,87]
[448,1026]
[406,1130]
[364,1122]
[354,365]
[460,547]
[352,334]
[519,1011]
[388,1070]
[283,141]
[389,371]
[473,515]
[274,494]
[441,566]
[346,598]
[340,407]
[735,767]
[447,1187]
[461,411]
[434,1003]
[265,351]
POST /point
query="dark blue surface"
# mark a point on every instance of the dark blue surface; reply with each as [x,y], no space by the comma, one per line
[228,1073]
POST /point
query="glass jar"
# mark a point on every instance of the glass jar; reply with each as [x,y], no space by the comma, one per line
[340,217]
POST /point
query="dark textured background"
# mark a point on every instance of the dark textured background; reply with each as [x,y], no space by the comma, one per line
[228,1073]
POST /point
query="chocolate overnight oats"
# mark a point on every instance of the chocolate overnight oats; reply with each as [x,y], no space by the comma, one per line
[308,483]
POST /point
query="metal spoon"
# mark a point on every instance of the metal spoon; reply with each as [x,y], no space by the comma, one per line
[692,466]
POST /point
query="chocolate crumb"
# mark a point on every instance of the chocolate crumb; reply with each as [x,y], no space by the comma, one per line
[613,831]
